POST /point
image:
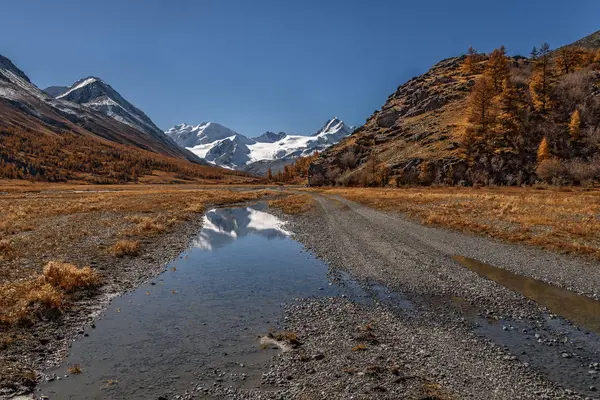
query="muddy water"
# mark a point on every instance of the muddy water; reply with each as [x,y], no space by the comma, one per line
[198,319]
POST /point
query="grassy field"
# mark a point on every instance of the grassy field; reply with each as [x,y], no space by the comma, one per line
[566,220]
[82,225]
[293,204]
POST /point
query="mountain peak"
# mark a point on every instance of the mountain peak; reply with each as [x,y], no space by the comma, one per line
[95,93]
[270,137]
[6,64]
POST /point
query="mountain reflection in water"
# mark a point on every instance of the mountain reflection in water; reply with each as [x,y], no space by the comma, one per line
[223,226]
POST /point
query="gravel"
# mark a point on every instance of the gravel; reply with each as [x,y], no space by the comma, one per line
[449,344]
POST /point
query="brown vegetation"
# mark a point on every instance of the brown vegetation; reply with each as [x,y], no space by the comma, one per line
[126,248]
[293,204]
[42,156]
[45,222]
[480,119]
[558,220]
[47,292]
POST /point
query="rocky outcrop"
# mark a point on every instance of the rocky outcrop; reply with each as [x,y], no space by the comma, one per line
[413,134]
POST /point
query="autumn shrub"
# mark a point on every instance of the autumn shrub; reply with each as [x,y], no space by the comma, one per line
[551,170]
[68,277]
[22,299]
[583,172]
[126,248]
[44,293]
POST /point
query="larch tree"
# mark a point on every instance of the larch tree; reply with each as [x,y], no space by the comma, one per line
[511,110]
[541,80]
[479,135]
[534,53]
[469,67]
[575,125]
[497,68]
[566,59]
[543,152]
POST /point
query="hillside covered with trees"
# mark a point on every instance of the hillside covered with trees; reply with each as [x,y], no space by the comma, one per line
[45,156]
[481,119]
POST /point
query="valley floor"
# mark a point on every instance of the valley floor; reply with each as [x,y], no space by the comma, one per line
[127,233]
[440,324]
[431,327]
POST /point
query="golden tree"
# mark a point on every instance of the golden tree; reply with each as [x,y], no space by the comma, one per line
[543,152]
[469,67]
[542,79]
[497,68]
[567,59]
[575,125]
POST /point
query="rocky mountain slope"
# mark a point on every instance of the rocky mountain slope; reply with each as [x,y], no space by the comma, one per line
[418,122]
[24,105]
[56,139]
[222,146]
[416,135]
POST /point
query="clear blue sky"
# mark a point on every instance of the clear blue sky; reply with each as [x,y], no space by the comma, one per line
[257,65]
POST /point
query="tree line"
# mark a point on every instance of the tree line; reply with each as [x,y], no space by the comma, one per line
[534,118]
[38,156]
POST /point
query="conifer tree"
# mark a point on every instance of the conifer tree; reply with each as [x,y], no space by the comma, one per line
[575,125]
[470,65]
[497,68]
[543,152]
[270,175]
[534,53]
[541,80]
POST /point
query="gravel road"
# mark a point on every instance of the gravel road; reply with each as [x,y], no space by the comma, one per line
[438,329]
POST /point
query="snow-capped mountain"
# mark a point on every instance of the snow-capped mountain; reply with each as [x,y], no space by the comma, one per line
[96,94]
[23,104]
[222,146]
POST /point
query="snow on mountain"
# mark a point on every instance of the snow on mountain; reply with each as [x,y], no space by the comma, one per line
[224,147]
[89,105]
[96,94]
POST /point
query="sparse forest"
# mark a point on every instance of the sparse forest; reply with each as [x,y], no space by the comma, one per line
[295,172]
[533,119]
[480,119]
[36,156]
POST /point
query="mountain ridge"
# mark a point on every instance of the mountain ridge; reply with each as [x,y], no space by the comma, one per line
[418,135]
[22,104]
[222,146]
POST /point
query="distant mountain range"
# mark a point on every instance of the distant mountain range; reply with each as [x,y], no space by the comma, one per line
[224,147]
[90,106]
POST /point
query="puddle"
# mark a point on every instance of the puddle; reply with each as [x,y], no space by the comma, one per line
[581,310]
[563,352]
[199,321]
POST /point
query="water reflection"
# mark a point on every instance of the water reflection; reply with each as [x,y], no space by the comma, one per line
[223,226]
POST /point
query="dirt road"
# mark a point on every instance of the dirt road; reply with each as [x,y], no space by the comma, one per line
[480,333]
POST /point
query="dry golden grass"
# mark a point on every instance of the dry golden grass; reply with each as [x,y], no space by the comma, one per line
[46,292]
[126,248]
[563,220]
[68,277]
[293,204]
[47,222]
[6,249]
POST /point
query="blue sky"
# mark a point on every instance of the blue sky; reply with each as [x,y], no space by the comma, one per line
[257,65]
